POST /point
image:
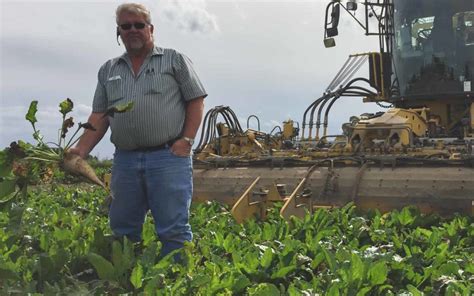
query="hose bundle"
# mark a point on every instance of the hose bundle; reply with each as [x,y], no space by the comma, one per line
[209,130]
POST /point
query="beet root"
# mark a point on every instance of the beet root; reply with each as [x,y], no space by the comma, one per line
[73,163]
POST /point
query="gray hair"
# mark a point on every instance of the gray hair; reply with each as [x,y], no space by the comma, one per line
[135,8]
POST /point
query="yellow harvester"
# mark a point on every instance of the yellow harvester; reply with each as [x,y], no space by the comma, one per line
[419,152]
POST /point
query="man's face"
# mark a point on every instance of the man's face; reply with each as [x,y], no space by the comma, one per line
[135,39]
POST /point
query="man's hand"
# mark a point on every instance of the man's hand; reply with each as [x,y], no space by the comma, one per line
[181,148]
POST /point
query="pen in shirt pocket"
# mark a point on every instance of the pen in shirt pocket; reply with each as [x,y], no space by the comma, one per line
[150,71]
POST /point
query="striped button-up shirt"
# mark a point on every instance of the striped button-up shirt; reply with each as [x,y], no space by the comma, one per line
[160,90]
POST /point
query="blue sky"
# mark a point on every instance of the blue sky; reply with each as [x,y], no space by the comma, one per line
[259,57]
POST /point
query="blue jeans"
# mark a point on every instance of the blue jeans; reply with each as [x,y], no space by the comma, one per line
[158,181]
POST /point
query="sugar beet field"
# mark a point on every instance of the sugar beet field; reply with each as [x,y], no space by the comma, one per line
[55,239]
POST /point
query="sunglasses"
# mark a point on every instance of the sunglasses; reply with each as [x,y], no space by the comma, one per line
[137,26]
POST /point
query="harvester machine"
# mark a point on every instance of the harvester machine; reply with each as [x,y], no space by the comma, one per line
[418,152]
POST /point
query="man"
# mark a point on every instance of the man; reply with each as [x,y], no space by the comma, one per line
[152,165]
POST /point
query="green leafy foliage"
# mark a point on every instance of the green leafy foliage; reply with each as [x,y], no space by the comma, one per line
[118,109]
[31,114]
[137,276]
[104,268]
[21,164]
[66,106]
[57,241]
[7,188]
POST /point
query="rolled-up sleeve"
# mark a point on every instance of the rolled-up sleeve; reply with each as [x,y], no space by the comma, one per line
[99,104]
[187,78]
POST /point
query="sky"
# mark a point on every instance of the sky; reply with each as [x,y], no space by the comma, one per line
[263,58]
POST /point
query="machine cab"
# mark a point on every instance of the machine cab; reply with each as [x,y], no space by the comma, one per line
[434,49]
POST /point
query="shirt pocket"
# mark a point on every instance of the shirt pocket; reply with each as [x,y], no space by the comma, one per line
[154,84]
[114,90]
[163,84]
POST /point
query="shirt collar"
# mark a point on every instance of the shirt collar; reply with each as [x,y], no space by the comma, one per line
[155,51]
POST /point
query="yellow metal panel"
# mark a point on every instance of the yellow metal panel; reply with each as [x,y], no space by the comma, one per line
[244,208]
[288,129]
[292,207]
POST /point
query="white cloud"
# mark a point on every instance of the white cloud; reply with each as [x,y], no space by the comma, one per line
[83,110]
[191,16]
[240,12]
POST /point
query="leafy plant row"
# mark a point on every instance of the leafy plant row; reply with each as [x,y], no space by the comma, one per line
[56,239]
